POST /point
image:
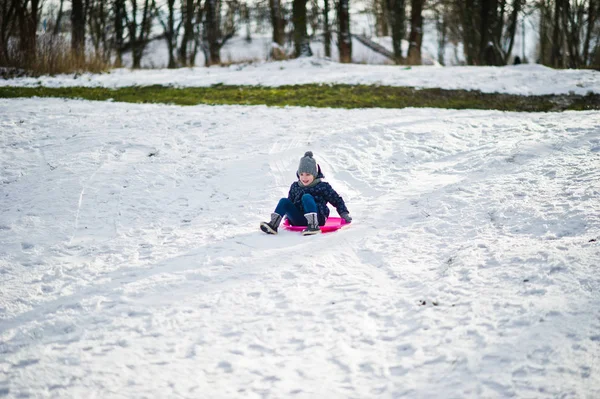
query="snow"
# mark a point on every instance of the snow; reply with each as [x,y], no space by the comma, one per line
[522,79]
[527,79]
[132,264]
[238,50]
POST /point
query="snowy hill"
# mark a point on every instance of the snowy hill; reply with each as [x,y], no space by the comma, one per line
[132,265]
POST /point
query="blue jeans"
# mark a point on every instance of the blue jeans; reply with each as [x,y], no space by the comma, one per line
[286,208]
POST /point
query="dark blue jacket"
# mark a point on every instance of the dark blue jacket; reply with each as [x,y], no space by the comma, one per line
[322,193]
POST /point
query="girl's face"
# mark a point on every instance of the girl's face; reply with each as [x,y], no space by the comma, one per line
[306,178]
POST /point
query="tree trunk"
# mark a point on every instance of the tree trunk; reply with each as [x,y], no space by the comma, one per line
[416,32]
[470,33]
[27,21]
[301,43]
[512,28]
[247,18]
[171,32]
[498,14]
[344,37]
[172,37]
[34,18]
[106,45]
[442,31]
[571,48]
[278,24]
[556,57]
[7,24]
[139,34]
[197,33]
[187,14]
[592,16]
[97,23]
[212,33]
[56,29]
[326,29]
[397,16]
[381,18]
[573,24]
[119,11]
[78,30]
[545,21]
[486,53]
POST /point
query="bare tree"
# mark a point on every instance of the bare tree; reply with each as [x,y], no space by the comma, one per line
[470,32]
[277,21]
[416,32]
[556,58]
[544,29]
[344,37]
[170,30]
[8,11]
[26,14]
[578,23]
[120,14]
[98,17]
[197,35]
[78,29]
[231,12]
[440,15]
[139,33]
[380,13]
[592,14]
[189,10]
[246,17]
[569,32]
[212,49]
[212,37]
[313,16]
[488,29]
[513,20]
[326,29]
[301,42]
[57,26]
[397,19]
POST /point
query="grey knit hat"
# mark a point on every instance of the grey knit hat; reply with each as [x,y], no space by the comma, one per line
[308,164]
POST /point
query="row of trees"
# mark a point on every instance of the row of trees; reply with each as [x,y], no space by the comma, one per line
[569,30]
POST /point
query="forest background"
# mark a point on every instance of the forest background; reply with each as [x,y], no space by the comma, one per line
[60,36]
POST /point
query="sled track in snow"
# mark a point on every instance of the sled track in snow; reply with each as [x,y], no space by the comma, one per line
[469,268]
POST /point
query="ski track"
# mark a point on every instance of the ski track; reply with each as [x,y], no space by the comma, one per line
[131,264]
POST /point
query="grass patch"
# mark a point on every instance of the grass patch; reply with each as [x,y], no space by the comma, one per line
[329,96]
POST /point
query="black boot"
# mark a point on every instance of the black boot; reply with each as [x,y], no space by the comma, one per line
[271,227]
[313,225]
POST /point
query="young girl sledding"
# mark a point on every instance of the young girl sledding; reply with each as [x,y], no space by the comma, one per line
[306,203]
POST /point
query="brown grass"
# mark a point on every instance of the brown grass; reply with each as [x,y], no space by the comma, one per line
[54,56]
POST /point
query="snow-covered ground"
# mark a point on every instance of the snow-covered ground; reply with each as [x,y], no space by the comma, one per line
[131,264]
[528,79]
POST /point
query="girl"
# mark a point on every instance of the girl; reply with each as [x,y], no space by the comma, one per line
[306,203]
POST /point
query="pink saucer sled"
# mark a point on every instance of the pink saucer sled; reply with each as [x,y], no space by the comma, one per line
[332,224]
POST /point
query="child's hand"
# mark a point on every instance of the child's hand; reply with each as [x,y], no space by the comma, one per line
[346,216]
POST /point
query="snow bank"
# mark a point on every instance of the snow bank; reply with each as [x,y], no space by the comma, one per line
[526,79]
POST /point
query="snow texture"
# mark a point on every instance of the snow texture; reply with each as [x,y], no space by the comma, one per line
[132,266]
[525,79]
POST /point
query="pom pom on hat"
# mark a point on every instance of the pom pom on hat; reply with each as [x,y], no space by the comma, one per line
[308,164]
